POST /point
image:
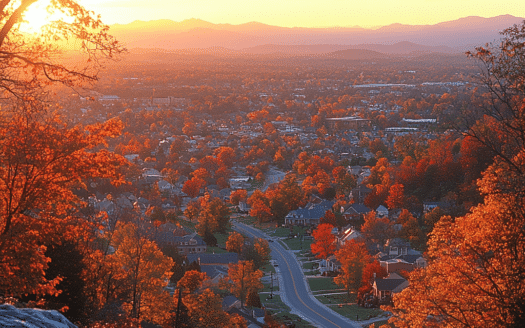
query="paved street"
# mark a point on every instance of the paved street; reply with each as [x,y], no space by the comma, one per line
[294,291]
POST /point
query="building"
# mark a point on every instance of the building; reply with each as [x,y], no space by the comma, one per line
[311,214]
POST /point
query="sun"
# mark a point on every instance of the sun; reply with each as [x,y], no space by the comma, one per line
[37,15]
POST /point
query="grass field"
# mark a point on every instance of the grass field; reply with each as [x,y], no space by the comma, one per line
[336,298]
[355,312]
[317,284]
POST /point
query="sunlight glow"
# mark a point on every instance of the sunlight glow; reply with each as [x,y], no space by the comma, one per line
[37,15]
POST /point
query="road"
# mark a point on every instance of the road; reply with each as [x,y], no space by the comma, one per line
[294,284]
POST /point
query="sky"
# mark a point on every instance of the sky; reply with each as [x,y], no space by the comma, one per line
[304,13]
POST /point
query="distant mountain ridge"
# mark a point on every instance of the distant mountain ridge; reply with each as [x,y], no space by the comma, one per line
[257,38]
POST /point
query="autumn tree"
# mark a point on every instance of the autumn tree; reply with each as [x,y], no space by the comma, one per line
[41,161]
[343,180]
[396,196]
[353,257]
[475,274]
[244,279]
[146,271]
[193,186]
[257,251]
[192,210]
[237,196]
[205,310]
[377,230]
[372,270]
[324,241]
[260,206]
[31,62]
[213,217]
[191,281]
[235,242]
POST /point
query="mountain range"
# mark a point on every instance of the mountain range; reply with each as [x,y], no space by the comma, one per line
[257,38]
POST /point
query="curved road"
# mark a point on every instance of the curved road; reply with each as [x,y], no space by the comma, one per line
[294,285]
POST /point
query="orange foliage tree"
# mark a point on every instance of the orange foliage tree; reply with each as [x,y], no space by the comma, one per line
[323,245]
[41,158]
[353,257]
[143,271]
[235,242]
[244,279]
[237,196]
[476,269]
[41,161]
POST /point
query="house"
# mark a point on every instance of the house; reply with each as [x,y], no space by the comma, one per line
[386,287]
[332,265]
[355,212]
[243,207]
[311,214]
[359,193]
[229,302]
[381,212]
[222,259]
[348,233]
[164,186]
[186,243]
[429,206]
[396,265]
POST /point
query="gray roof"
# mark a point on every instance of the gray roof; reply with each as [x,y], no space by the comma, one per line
[358,208]
[388,284]
[312,211]
[222,258]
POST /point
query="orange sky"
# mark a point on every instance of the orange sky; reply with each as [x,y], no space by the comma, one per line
[304,13]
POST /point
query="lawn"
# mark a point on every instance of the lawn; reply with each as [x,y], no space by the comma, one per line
[310,265]
[378,324]
[215,250]
[267,268]
[188,224]
[317,284]
[336,298]
[281,312]
[355,312]
[298,243]
[285,232]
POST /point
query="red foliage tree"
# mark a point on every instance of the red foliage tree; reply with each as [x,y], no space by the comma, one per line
[324,245]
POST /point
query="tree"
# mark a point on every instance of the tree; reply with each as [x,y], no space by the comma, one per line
[244,278]
[235,243]
[146,271]
[193,186]
[475,274]
[475,261]
[498,123]
[396,196]
[213,217]
[353,257]
[191,281]
[237,196]
[192,210]
[205,310]
[40,162]
[370,271]
[260,206]
[258,252]
[324,241]
[30,62]
[377,230]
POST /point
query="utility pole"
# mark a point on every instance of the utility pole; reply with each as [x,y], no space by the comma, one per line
[271,288]
[242,284]
[178,308]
